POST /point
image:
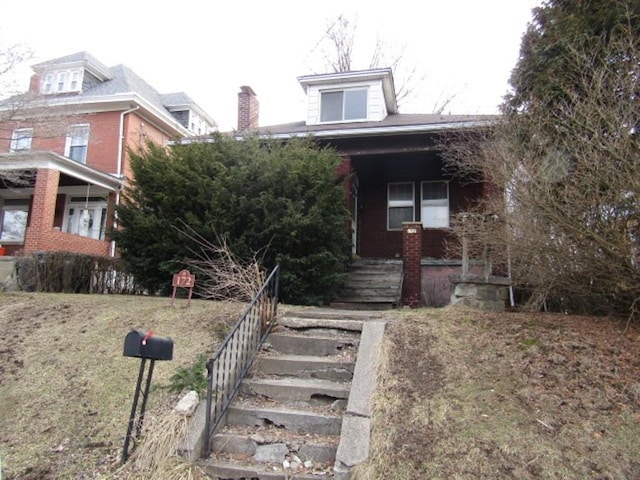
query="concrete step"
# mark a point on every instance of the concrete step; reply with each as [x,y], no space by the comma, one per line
[317,313]
[363,305]
[299,323]
[306,366]
[310,345]
[292,420]
[296,391]
[222,470]
[242,441]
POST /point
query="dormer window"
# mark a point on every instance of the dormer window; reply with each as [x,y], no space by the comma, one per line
[343,105]
[63,81]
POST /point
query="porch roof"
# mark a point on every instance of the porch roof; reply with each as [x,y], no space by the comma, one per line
[406,123]
[35,160]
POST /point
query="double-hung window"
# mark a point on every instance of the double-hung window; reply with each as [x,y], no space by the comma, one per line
[435,204]
[86,217]
[14,219]
[77,143]
[400,204]
[342,105]
[21,139]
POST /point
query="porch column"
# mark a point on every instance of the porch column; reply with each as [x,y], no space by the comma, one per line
[42,212]
[411,257]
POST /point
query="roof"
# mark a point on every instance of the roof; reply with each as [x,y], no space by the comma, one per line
[117,82]
[391,124]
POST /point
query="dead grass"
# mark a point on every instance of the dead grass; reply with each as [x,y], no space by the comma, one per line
[468,395]
[66,390]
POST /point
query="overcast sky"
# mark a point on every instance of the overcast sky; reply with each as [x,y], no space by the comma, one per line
[464,49]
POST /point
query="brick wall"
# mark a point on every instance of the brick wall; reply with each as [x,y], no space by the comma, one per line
[411,257]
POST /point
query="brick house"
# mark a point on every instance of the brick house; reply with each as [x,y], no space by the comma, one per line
[400,195]
[63,156]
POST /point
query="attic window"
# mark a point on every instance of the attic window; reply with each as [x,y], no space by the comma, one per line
[62,81]
[343,105]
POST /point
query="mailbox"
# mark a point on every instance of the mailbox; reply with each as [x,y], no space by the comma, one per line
[147,345]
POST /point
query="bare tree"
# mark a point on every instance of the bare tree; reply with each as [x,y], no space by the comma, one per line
[566,187]
[338,47]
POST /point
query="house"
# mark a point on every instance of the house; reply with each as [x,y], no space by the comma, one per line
[63,157]
[400,195]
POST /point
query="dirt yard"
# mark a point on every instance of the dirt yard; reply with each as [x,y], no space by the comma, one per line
[470,395]
[66,390]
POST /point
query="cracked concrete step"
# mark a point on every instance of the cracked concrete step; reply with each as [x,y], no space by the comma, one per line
[234,471]
[306,366]
[311,345]
[330,313]
[295,390]
[289,419]
[298,323]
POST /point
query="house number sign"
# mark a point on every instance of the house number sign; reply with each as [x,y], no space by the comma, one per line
[183,279]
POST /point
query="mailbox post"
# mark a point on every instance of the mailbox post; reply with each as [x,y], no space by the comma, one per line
[145,346]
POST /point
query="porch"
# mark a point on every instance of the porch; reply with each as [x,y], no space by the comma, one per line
[53,203]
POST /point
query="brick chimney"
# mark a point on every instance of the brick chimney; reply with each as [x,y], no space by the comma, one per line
[248,109]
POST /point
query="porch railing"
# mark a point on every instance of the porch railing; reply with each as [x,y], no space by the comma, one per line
[227,368]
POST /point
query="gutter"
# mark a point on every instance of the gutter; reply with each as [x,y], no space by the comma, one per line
[383,130]
[112,246]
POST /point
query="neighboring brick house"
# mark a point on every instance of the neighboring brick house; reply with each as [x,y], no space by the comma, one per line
[398,182]
[67,138]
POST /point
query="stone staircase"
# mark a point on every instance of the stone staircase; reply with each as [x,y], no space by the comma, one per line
[287,420]
[372,285]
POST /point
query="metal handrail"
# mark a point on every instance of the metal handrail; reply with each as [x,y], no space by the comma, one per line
[228,367]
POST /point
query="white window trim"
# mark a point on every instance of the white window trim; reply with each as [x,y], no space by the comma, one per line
[16,138]
[400,203]
[70,137]
[344,91]
[440,202]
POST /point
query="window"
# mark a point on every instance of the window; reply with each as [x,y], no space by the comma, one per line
[14,219]
[47,84]
[62,81]
[86,217]
[21,139]
[435,204]
[400,204]
[343,105]
[77,143]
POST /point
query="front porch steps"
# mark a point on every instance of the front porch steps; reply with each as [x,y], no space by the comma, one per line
[287,420]
[371,285]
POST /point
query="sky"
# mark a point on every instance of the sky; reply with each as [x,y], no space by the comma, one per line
[463,50]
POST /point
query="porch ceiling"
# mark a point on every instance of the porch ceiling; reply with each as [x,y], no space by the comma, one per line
[66,166]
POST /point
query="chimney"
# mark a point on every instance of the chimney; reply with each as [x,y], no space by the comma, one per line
[248,109]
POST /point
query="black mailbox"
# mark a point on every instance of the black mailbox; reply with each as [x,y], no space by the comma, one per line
[147,345]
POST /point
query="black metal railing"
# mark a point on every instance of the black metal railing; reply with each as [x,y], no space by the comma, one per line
[232,361]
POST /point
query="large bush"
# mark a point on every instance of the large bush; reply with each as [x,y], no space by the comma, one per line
[283,200]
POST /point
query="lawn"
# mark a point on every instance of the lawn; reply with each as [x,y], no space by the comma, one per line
[461,394]
[472,395]
[66,390]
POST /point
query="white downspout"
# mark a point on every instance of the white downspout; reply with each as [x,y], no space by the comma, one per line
[112,247]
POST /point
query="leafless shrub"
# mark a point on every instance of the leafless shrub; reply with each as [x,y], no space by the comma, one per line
[566,188]
[221,274]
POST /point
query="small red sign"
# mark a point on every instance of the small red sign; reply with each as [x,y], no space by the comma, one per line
[183,279]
